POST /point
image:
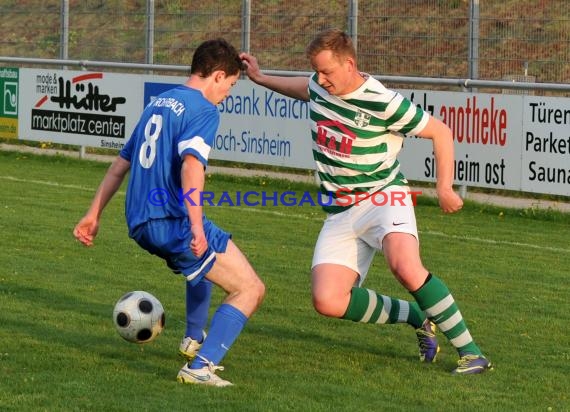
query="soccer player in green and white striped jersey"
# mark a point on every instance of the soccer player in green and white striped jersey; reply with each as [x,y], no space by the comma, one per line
[357,127]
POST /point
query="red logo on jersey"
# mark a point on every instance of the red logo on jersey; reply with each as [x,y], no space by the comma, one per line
[334,138]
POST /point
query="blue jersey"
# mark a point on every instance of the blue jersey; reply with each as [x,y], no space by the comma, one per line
[179,122]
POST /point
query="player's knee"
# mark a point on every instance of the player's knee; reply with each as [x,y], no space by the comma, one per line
[259,290]
[327,306]
[410,277]
[404,267]
[254,289]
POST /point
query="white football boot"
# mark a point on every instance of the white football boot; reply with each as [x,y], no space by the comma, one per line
[203,376]
[189,347]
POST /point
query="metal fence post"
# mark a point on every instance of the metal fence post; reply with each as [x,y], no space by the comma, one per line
[353,22]
[246,26]
[149,55]
[64,35]
[474,39]
[473,64]
[64,47]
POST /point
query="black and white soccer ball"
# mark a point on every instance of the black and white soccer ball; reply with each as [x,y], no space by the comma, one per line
[138,317]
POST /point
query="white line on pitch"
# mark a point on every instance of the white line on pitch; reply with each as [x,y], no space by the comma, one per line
[53,184]
[305,217]
[423,232]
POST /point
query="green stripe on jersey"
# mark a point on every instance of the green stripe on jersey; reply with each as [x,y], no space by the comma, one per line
[360,132]
[365,168]
[357,139]
[364,180]
[369,105]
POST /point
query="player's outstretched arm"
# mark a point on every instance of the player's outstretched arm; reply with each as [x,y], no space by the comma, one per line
[295,86]
[87,228]
[442,140]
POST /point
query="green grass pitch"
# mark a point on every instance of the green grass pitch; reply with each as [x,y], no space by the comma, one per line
[508,270]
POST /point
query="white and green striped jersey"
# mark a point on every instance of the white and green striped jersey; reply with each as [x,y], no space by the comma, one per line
[357,138]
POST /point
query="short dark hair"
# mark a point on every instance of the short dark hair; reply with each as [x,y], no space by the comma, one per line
[216,54]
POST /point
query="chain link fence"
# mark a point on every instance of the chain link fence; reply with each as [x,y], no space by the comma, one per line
[502,39]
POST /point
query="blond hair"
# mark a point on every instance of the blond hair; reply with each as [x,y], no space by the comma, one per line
[334,40]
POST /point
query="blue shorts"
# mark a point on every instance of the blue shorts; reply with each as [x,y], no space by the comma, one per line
[170,240]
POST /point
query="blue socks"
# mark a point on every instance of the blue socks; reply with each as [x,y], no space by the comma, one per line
[197,306]
[227,324]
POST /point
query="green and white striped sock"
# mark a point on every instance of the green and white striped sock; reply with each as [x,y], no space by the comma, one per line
[436,301]
[367,306]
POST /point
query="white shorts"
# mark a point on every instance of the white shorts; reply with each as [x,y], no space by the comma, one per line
[351,238]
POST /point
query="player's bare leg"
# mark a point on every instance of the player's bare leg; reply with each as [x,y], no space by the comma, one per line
[402,254]
[245,291]
[233,273]
[331,287]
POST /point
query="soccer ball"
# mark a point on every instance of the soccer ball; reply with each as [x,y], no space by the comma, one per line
[138,317]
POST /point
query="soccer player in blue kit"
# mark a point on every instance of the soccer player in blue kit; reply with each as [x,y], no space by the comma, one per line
[166,156]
